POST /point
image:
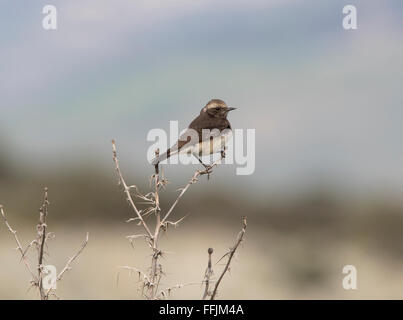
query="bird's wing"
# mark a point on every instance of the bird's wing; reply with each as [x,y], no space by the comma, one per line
[188,138]
[193,135]
[196,135]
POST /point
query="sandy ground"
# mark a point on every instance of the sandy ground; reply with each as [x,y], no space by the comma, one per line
[268,266]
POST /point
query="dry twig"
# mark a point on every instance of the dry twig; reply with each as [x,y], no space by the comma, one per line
[41,228]
[67,267]
[152,199]
[24,258]
[151,281]
[41,243]
[208,274]
[230,254]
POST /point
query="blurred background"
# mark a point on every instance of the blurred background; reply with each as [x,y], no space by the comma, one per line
[326,104]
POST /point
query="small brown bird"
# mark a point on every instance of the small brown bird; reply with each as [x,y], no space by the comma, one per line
[197,140]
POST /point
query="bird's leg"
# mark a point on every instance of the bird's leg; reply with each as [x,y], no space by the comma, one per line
[206,167]
[223,153]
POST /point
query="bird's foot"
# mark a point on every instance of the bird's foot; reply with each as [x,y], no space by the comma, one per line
[207,170]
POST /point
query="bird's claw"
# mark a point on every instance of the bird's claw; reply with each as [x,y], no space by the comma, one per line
[207,170]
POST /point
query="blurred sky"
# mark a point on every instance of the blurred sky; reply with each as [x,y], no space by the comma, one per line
[326,103]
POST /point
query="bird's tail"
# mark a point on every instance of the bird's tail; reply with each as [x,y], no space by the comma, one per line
[161,157]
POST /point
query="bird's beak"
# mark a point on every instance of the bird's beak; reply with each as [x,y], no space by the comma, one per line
[231,108]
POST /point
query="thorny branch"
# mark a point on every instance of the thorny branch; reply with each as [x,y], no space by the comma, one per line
[230,254]
[67,267]
[41,242]
[193,180]
[167,291]
[156,271]
[41,228]
[208,274]
[19,247]
[127,192]
[152,281]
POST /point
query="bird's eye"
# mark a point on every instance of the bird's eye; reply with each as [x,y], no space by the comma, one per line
[217,108]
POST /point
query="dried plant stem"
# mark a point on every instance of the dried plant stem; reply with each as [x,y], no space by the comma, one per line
[191,181]
[40,241]
[152,281]
[167,291]
[41,228]
[208,274]
[230,254]
[155,276]
[19,247]
[127,191]
[67,267]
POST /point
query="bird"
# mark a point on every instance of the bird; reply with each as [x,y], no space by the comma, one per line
[206,134]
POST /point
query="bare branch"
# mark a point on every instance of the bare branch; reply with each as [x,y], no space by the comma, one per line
[41,241]
[127,190]
[230,255]
[70,261]
[208,274]
[41,244]
[156,272]
[174,224]
[152,280]
[19,247]
[29,246]
[193,180]
[167,291]
[138,271]
[183,190]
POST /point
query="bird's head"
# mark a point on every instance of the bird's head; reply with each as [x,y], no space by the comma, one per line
[217,108]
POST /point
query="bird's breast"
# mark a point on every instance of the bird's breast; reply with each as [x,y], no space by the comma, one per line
[214,145]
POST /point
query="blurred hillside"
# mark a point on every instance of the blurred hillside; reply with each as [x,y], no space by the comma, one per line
[295,246]
[91,196]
